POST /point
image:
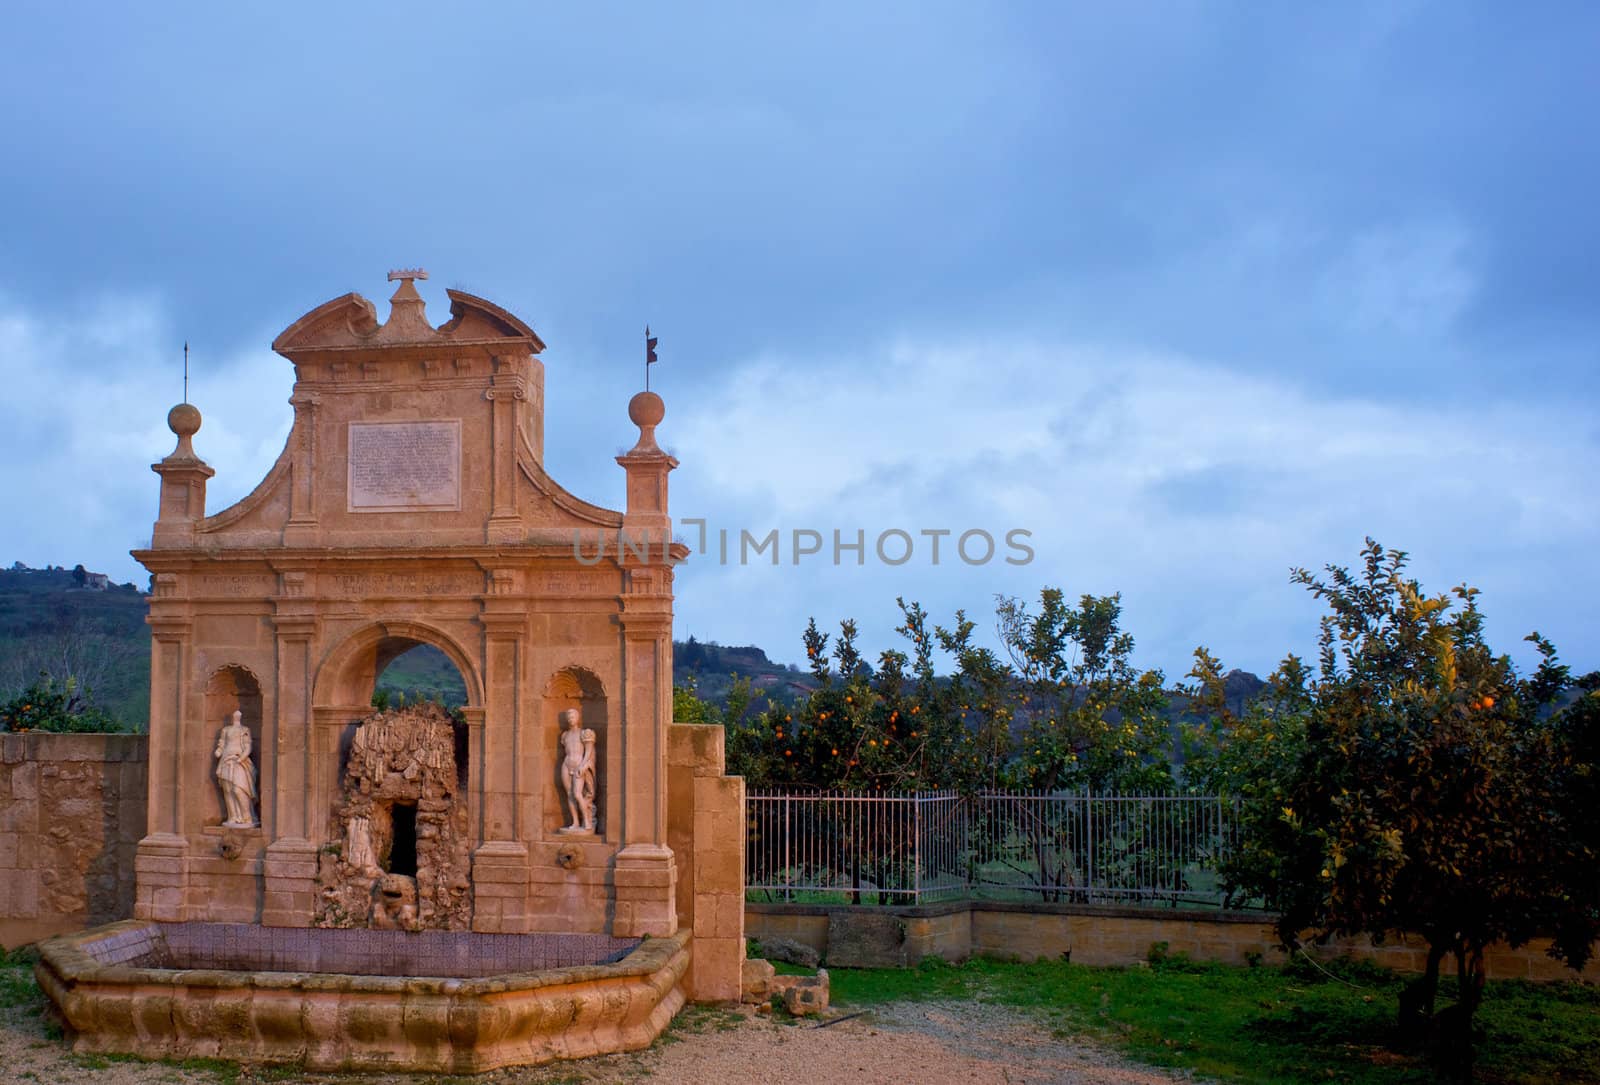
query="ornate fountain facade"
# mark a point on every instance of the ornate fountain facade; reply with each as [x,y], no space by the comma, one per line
[411,506]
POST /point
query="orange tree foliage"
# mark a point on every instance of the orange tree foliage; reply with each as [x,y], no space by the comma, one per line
[1416,783]
[1063,708]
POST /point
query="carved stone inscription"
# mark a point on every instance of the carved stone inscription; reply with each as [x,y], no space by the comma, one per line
[367,585]
[405,466]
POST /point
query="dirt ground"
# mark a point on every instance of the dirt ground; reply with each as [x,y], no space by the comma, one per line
[921,1043]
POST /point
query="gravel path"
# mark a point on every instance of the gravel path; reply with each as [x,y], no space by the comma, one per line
[923,1043]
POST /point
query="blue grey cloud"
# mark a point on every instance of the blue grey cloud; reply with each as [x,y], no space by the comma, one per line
[1384,205]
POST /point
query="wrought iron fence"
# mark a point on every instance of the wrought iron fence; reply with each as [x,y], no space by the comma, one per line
[881,848]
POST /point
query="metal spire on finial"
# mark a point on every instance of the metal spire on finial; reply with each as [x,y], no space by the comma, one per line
[184,420]
[650,358]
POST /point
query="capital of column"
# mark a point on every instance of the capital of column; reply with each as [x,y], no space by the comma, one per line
[504,626]
[295,626]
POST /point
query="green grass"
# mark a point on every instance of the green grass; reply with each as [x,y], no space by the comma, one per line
[17,987]
[1267,1025]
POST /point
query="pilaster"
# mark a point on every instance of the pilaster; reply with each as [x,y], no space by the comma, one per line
[291,800]
[169,665]
[501,783]
[508,388]
[645,873]
[500,883]
[301,529]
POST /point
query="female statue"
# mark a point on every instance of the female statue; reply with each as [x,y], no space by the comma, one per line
[236,774]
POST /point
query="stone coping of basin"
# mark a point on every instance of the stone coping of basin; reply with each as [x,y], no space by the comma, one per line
[68,959]
[337,1021]
[441,954]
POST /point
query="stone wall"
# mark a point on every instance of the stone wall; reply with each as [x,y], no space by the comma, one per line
[1086,934]
[706,831]
[72,811]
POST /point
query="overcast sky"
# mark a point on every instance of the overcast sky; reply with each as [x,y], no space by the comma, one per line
[1191,293]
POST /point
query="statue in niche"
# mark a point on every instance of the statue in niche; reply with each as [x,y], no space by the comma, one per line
[236,774]
[577,771]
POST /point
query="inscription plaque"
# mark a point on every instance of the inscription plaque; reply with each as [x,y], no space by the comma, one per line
[405,466]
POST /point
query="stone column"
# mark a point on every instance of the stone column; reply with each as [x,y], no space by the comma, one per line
[500,863]
[290,866]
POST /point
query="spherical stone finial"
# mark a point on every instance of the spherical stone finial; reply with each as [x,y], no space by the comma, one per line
[184,420]
[646,409]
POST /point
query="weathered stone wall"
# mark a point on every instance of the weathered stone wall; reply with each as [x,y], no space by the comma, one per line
[706,831]
[1098,935]
[72,811]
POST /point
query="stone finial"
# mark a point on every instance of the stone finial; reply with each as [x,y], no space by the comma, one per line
[646,410]
[408,318]
[184,420]
[183,482]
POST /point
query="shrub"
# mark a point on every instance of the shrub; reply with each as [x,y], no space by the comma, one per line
[67,707]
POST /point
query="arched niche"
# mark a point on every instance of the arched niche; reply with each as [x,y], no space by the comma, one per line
[231,688]
[580,688]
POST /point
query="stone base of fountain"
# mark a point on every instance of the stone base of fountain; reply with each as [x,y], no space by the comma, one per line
[329,999]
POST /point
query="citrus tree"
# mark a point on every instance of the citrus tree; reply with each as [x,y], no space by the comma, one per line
[1425,789]
[1093,719]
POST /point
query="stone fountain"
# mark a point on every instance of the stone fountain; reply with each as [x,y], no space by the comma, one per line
[550,871]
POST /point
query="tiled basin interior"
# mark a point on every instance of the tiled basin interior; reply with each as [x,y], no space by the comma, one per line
[435,1001]
[243,947]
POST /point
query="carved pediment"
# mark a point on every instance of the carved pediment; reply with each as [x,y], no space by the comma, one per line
[351,323]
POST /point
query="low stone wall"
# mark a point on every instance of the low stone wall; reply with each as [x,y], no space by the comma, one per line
[865,937]
[72,811]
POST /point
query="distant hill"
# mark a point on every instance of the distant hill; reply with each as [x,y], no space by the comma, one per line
[76,622]
[713,667]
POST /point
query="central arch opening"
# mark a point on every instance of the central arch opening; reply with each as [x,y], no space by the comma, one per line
[400,839]
[416,671]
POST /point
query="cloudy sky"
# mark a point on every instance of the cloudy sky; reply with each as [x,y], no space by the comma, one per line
[1190,293]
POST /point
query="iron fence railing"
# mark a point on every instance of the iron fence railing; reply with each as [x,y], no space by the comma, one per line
[907,848]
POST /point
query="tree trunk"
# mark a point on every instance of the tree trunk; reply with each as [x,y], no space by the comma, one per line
[1451,1046]
[1416,1002]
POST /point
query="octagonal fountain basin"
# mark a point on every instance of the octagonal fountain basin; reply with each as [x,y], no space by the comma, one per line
[436,1001]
